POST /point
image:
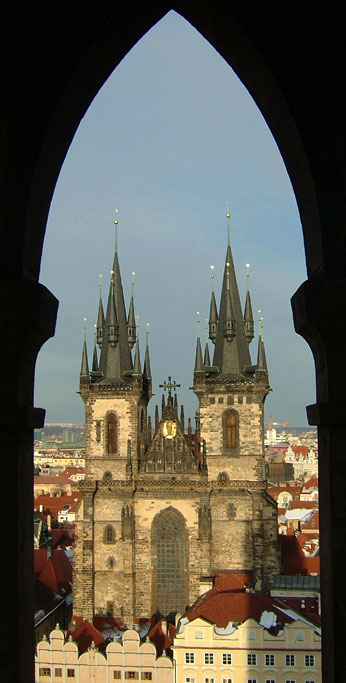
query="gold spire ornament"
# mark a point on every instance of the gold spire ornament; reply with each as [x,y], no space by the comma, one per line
[228,216]
[116,230]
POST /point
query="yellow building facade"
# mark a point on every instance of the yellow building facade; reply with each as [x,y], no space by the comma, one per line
[58,661]
[246,653]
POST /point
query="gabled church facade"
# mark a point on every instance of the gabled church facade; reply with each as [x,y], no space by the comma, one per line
[161,511]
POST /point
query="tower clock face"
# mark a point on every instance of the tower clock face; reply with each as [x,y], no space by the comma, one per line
[169,429]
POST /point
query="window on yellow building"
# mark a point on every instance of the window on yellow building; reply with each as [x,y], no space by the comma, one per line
[309,660]
[133,675]
[58,673]
[146,676]
[208,658]
[117,675]
[70,673]
[226,658]
[290,660]
[269,660]
[189,657]
[251,659]
[44,671]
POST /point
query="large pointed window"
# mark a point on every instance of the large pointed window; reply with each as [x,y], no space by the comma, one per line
[111,434]
[231,429]
[169,547]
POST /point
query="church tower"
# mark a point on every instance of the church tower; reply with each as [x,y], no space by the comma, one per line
[231,393]
[162,510]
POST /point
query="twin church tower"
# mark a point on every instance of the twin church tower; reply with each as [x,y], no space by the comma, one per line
[163,509]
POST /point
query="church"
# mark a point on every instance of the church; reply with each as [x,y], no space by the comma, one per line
[164,509]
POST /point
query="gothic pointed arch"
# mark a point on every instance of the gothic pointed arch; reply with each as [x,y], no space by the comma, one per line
[169,562]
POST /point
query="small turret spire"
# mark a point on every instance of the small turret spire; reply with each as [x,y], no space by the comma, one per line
[261,354]
[100,317]
[84,371]
[213,315]
[147,369]
[95,364]
[157,418]
[248,316]
[131,324]
[182,418]
[137,362]
[198,359]
[206,355]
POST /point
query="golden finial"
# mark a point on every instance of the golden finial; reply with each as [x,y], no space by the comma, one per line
[133,281]
[212,277]
[260,320]
[84,327]
[228,216]
[147,333]
[198,325]
[137,321]
[248,275]
[100,284]
[116,230]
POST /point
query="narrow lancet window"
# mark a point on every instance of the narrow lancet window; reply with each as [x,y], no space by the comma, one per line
[231,429]
[111,434]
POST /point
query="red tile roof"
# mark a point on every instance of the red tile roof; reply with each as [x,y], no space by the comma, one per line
[300,450]
[311,483]
[302,504]
[84,634]
[221,607]
[162,640]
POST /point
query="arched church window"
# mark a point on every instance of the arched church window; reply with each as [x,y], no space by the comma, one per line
[171,563]
[230,429]
[111,434]
[109,534]
[111,563]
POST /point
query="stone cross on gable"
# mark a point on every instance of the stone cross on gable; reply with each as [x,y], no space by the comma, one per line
[169,386]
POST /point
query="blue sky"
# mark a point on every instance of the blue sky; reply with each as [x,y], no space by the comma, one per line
[171,137]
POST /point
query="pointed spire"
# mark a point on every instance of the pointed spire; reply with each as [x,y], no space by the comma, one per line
[147,369]
[206,355]
[182,418]
[112,327]
[84,371]
[137,362]
[248,316]
[261,354]
[230,358]
[198,358]
[176,402]
[189,428]
[100,317]
[229,326]
[131,321]
[115,357]
[95,364]
[149,431]
[213,315]
[163,405]
[157,418]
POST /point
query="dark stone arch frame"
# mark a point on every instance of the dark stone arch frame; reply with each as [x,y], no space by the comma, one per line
[299,92]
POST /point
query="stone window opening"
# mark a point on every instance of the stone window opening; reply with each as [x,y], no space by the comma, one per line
[230,429]
[111,429]
[109,534]
[111,563]
[169,548]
